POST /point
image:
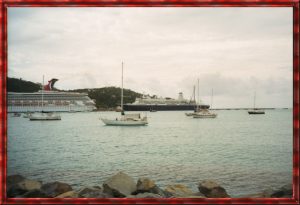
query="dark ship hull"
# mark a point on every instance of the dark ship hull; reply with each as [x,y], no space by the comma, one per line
[255,112]
[134,107]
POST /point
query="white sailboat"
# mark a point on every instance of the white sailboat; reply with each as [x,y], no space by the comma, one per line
[126,119]
[255,110]
[43,116]
[203,113]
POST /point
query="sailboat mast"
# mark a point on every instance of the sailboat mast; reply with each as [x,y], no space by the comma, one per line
[43,94]
[194,93]
[211,100]
[254,100]
[122,91]
[198,96]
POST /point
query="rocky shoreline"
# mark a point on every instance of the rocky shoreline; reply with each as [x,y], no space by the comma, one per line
[122,185]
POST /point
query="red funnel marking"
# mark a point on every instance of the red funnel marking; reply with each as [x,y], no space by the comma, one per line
[50,84]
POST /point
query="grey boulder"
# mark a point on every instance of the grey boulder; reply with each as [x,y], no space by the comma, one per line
[211,189]
[13,179]
[54,189]
[92,192]
[285,191]
[23,186]
[179,190]
[145,195]
[35,193]
[119,185]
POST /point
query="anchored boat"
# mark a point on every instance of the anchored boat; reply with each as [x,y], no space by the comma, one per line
[126,119]
[41,116]
[44,116]
[200,112]
[255,111]
[204,113]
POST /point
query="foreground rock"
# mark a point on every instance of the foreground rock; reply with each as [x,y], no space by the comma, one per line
[146,185]
[69,194]
[211,189]
[21,186]
[145,195]
[122,185]
[54,189]
[284,192]
[36,193]
[179,190]
[92,192]
[197,195]
[15,191]
[119,185]
[28,184]
[13,179]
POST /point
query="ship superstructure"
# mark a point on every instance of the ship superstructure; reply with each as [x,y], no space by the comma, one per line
[147,103]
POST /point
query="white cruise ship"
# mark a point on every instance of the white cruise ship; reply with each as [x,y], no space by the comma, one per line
[53,101]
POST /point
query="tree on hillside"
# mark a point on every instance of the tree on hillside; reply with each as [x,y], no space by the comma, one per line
[110,97]
[19,85]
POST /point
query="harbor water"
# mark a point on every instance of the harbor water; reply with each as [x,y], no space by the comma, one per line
[244,153]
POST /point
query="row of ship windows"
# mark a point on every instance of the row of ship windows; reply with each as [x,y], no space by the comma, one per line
[81,99]
[40,102]
[36,104]
[32,101]
[47,101]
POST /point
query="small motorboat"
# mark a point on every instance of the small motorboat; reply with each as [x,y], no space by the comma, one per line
[16,114]
[256,112]
[44,116]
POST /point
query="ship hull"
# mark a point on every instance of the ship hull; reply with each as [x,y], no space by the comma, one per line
[131,107]
[255,112]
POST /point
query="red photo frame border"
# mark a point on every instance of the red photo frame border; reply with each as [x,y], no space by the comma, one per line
[4,4]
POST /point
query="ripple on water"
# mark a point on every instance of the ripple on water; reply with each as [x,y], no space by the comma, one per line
[243,153]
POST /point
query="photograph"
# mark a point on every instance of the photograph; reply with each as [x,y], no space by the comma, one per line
[149,102]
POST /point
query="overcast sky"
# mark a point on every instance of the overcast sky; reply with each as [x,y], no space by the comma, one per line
[234,51]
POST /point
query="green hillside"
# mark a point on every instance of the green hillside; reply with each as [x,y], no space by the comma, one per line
[22,86]
[109,97]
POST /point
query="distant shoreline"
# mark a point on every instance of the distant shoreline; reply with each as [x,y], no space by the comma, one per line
[113,109]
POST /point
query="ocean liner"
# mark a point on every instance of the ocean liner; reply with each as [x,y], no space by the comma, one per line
[53,101]
[147,103]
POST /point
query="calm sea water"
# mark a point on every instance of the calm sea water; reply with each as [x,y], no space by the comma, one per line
[244,153]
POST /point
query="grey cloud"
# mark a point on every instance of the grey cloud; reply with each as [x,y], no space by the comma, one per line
[164,49]
[232,89]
